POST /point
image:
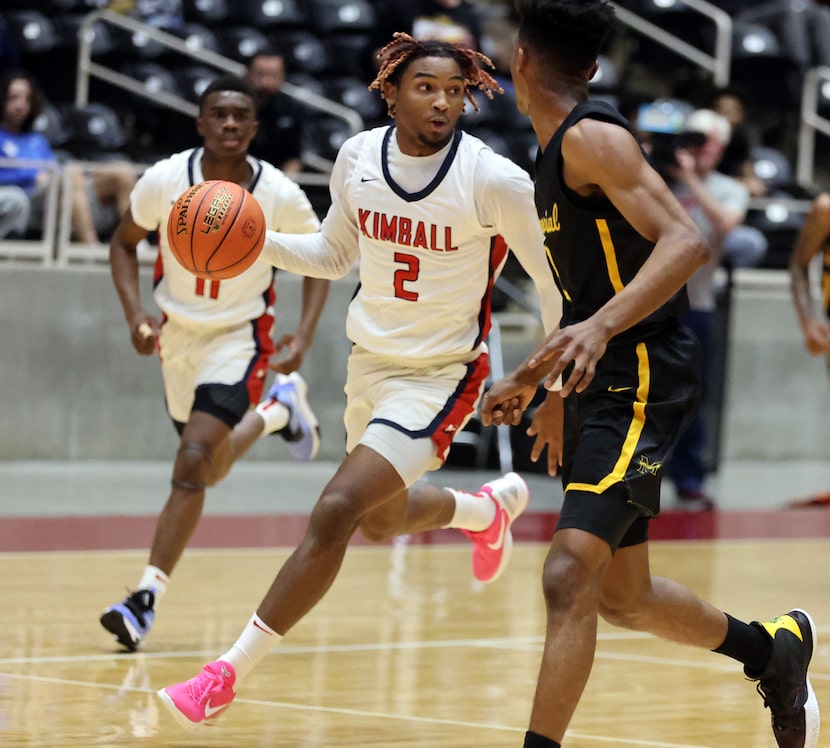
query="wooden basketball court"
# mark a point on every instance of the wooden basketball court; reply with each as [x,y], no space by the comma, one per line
[404,651]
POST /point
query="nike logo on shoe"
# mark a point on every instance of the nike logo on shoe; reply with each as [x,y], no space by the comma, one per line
[211,711]
[499,542]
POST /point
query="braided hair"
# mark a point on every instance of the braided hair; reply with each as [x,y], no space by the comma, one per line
[404,48]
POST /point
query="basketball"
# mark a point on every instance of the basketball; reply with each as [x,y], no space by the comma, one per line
[216,230]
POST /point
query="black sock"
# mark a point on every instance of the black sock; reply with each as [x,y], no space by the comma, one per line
[747,644]
[534,740]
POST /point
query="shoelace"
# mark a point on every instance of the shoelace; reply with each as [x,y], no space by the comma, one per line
[202,685]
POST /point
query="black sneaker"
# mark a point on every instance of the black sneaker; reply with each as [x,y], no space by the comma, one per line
[784,684]
[129,621]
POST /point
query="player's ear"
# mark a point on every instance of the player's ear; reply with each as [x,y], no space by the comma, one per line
[593,71]
[389,93]
[200,126]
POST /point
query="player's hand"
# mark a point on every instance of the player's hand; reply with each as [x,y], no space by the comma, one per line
[505,402]
[817,337]
[582,345]
[546,426]
[144,334]
[292,351]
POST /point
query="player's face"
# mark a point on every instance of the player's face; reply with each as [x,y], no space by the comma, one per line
[428,102]
[227,123]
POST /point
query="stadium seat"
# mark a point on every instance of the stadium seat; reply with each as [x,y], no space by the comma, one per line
[193,79]
[304,52]
[137,45]
[772,167]
[329,16]
[355,94]
[780,225]
[209,12]
[93,129]
[153,77]
[268,14]
[33,31]
[52,124]
[68,26]
[607,79]
[324,136]
[241,42]
[350,54]
[199,37]
[311,83]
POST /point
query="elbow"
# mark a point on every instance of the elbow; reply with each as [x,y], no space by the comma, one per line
[700,249]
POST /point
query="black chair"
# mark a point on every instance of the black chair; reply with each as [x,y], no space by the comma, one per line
[310,83]
[350,54]
[137,45]
[240,43]
[94,128]
[34,32]
[325,135]
[199,37]
[780,225]
[355,94]
[303,51]
[607,79]
[209,12]
[330,16]
[68,26]
[53,125]
[267,14]
[772,167]
[193,79]
[153,78]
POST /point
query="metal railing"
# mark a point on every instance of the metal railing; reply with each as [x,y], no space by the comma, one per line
[42,248]
[87,68]
[811,122]
[718,64]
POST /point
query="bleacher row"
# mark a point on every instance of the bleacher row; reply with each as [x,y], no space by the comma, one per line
[327,45]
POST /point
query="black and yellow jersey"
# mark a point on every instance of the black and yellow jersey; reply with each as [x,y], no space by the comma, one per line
[593,250]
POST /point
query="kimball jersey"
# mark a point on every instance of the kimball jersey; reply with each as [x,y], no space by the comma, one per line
[214,303]
[431,235]
[593,249]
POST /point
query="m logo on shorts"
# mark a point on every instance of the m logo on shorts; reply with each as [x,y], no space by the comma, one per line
[648,468]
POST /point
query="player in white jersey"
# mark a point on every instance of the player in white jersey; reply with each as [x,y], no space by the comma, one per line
[214,338]
[429,212]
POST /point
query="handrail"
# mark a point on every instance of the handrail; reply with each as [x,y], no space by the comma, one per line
[811,121]
[87,68]
[718,64]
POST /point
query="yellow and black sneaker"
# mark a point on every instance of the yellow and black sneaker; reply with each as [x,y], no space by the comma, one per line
[784,684]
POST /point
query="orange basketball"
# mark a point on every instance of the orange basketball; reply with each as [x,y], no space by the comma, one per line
[216,229]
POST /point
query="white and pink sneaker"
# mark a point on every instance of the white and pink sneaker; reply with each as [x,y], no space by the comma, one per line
[493,546]
[200,700]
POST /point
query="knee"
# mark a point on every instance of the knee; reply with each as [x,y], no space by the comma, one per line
[567,582]
[376,528]
[333,519]
[193,461]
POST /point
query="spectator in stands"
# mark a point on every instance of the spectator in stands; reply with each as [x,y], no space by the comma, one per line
[100,195]
[717,203]
[167,15]
[737,156]
[281,118]
[22,188]
[455,21]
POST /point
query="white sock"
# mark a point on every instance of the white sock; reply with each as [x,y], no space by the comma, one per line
[256,641]
[474,512]
[154,579]
[275,415]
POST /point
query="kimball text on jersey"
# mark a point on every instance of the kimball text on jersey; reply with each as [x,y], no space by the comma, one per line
[405,231]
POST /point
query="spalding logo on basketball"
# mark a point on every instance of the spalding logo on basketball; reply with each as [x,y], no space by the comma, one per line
[216,230]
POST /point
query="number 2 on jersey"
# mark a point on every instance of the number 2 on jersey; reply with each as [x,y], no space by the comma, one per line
[405,275]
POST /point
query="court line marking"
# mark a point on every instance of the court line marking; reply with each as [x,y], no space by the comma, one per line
[360,713]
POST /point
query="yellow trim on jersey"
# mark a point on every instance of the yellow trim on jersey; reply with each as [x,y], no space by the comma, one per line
[556,272]
[610,255]
[634,430]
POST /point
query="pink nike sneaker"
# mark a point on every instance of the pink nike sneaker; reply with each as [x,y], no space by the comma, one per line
[200,700]
[492,547]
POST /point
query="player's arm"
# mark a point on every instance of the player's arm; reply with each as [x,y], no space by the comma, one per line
[144,327]
[605,159]
[333,251]
[811,240]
